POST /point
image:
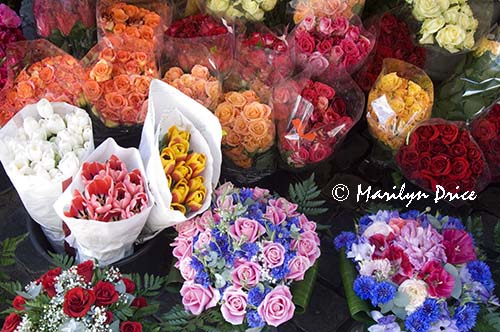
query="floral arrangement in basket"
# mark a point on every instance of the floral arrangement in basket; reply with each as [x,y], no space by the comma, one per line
[242,256]
[419,270]
[83,297]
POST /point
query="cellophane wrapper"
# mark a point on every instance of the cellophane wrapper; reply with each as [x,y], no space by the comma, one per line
[311,121]
[444,153]
[395,106]
[62,15]
[38,69]
[326,8]
[485,128]
[475,84]
[108,242]
[116,83]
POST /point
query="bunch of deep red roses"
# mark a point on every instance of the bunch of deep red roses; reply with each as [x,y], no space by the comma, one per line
[443,153]
[9,32]
[394,40]
[486,131]
[199,25]
[313,132]
[81,298]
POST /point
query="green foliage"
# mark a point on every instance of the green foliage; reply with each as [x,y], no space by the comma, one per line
[8,250]
[488,322]
[149,285]
[11,287]
[305,194]
[474,225]
[62,261]
[179,320]
[79,41]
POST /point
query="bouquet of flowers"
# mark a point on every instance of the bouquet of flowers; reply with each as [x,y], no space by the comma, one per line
[443,153]
[200,40]
[394,40]
[82,297]
[420,271]
[9,32]
[485,129]
[401,98]
[475,84]
[106,207]
[329,8]
[250,10]
[199,84]
[38,69]
[241,257]
[41,149]
[116,84]
[180,147]
[311,125]
[322,42]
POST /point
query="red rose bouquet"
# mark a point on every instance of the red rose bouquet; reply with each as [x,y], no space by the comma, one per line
[83,297]
[312,121]
[394,40]
[38,69]
[9,32]
[485,130]
[443,153]
[199,40]
[322,42]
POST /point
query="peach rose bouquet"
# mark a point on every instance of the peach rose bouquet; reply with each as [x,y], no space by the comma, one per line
[199,84]
[326,8]
[38,69]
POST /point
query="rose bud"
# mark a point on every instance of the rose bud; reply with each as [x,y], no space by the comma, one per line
[181,171]
[196,161]
[196,183]
[180,191]
[175,132]
[178,207]
[194,201]
[167,157]
[169,180]
[179,149]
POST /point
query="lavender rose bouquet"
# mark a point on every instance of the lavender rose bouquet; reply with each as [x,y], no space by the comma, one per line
[240,258]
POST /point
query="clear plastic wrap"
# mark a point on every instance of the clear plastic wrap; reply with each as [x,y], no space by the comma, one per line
[326,8]
[440,152]
[69,12]
[401,98]
[240,10]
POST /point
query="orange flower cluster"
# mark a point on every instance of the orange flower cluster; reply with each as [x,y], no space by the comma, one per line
[56,79]
[183,171]
[136,25]
[199,85]
[117,86]
[248,126]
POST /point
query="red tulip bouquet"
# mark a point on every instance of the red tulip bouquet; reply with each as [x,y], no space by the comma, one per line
[106,206]
[84,297]
[443,153]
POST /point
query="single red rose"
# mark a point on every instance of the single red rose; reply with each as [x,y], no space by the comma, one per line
[423,146]
[130,327]
[48,281]
[429,132]
[407,158]
[449,133]
[109,317]
[483,129]
[139,302]
[424,160]
[468,184]
[437,147]
[11,322]
[458,246]
[473,153]
[324,90]
[310,95]
[18,303]
[458,150]
[459,169]
[77,302]
[440,282]
[388,24]
[464,137]
[330,117]
[319,152]
[451,186]
[86,271]
[325,46]
[440,165]
[105,293]
[129,285]
[477,167]
[305,42]
[339,106]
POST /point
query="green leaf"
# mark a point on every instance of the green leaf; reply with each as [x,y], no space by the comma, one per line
[11,287]
[302,290]
[359,309]
[474,225]
[62,261]
[457,289]
[305,195]
[488,322]
[174,280]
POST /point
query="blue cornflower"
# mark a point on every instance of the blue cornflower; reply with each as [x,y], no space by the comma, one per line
[196,264]
[412,214]
[430,309]
[382,293]
[245,193]
[417,322]
[235,197]
[365,221]
[454,223]
[202,278]
[363,285]
[292,221]
[254,319]
[282,236]
[279,273]
[344,240]
[465,316]
[480,272]
[248,250]
[256,295]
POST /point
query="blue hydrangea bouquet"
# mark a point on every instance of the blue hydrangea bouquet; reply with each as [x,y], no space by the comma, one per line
[415,272]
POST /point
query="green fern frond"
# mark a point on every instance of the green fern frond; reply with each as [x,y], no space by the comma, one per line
[305,194]
[62,261]
[8,250]
[488,322]
[475,226]
[11,287]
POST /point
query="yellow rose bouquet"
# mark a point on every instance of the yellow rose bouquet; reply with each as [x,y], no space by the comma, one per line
[401,98]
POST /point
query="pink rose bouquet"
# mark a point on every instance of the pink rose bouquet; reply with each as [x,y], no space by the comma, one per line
[241,257]
[9,32]
[420,270]
[323,42]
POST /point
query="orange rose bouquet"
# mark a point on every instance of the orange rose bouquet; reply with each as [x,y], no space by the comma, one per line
[248,136]
[38,69]
[199,84]
[326,8]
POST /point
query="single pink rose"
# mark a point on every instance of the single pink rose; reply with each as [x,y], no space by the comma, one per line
[259,193]
[337,54]
[297,268]
[245,274]
[277,307]
[197,298]
[187,229]
[187,271]
[183,248]
[319,152]
[350,48]
[364,45]
[308,246]
[353,33]
[234,304]
[225,202]
[458,246]
[250,229]
[309,22]
[300,157]
[203,240]
[282,204]
[277,216]
[306,225]
[326,26]
[317,63]
[274,254]
[340,26]
[203,222]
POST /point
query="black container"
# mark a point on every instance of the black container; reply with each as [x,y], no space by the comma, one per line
[5,183]
[153,257]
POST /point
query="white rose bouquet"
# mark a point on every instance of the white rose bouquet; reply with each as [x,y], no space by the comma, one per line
[252,10]
[41,148]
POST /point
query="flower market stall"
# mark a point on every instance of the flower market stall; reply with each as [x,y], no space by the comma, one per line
[250,165]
